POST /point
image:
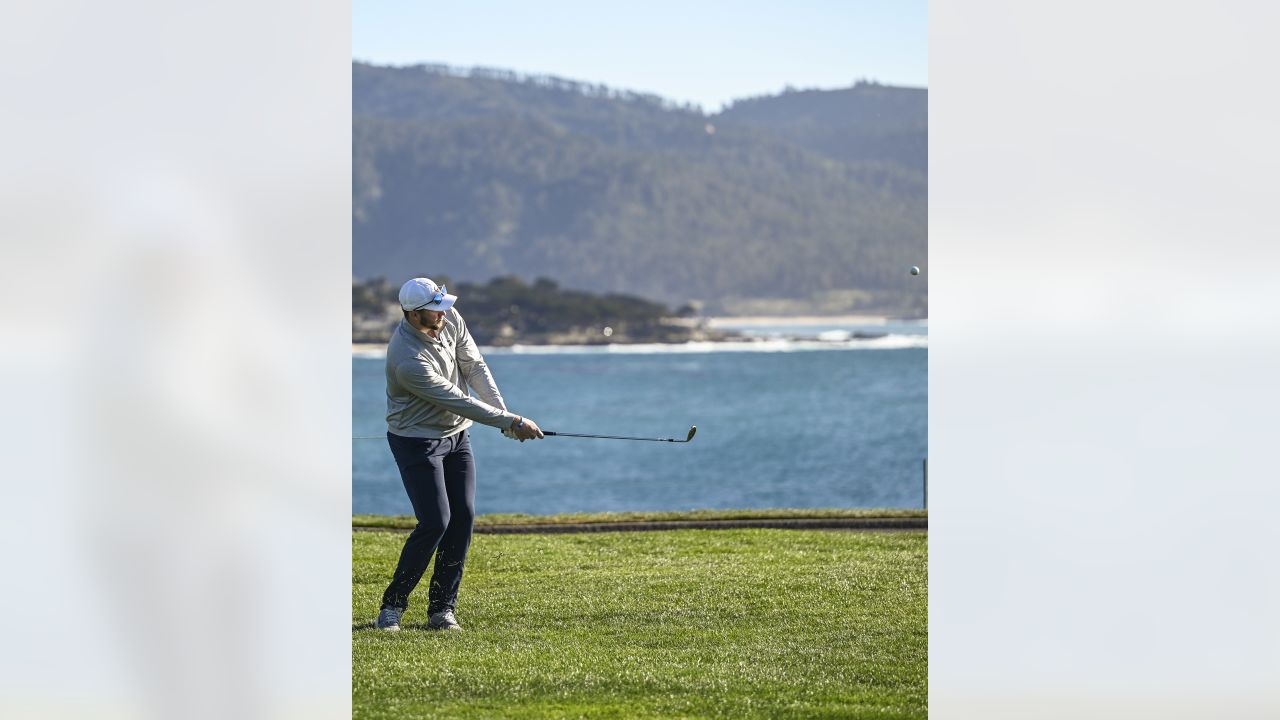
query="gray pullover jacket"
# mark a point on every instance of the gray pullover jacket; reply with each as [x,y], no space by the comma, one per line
[428,380]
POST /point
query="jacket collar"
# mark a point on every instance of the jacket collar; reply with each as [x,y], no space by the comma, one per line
[417,334]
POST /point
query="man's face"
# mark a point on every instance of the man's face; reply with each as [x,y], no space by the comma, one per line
[431,319]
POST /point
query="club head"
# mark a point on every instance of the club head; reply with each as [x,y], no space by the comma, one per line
[693,429]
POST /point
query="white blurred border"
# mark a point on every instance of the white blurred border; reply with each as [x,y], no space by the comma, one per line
[1104,341]
[176,253]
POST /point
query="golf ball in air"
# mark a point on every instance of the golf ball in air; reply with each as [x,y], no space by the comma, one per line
[915,270]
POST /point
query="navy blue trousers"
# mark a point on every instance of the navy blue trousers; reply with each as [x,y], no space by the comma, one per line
[440,478]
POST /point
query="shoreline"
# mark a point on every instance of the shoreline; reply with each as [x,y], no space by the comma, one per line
[863,519]
[753,345]
[906,524]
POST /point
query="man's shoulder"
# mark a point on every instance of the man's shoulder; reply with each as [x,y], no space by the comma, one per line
[398,340]
[403,347]
[455,324]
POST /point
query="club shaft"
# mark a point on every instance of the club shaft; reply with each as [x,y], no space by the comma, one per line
[610,437]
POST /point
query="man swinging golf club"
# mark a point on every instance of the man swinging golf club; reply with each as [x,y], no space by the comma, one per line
[432,363]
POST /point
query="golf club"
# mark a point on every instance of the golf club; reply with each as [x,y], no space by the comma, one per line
[692,430]
[548,433]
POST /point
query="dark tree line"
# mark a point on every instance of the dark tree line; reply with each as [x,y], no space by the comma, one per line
[509,307]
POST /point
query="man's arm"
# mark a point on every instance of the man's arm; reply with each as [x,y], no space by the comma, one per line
[435,388]
[473,367]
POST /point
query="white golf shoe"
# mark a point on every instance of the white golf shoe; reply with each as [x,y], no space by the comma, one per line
[389,619]
[443,620]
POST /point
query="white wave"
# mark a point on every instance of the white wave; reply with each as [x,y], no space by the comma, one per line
[836,341]
[888,342]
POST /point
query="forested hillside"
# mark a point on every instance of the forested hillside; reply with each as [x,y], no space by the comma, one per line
[860,125]
[804,202]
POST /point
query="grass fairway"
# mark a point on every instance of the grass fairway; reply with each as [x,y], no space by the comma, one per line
[685,623]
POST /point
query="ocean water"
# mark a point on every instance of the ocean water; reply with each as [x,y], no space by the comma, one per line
[805,417]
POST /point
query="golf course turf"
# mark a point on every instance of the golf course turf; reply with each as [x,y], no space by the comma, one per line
[686,623]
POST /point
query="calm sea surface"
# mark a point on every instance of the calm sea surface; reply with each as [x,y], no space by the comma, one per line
[792,421]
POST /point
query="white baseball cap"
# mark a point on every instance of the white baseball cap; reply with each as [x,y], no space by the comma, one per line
[424,294]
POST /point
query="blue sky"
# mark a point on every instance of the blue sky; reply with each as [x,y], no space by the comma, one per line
[707,52]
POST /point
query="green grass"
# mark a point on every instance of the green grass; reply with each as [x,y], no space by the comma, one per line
[407,521]
[685,623]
